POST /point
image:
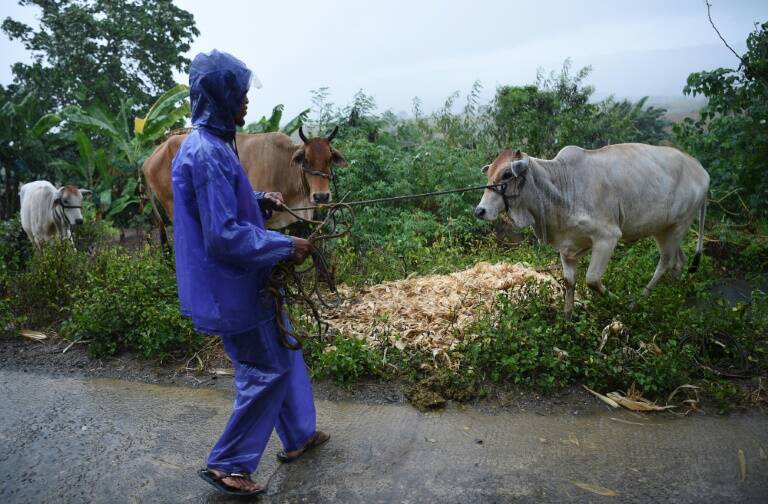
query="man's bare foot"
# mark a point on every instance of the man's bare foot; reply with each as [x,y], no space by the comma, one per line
[242,483]
[319,438]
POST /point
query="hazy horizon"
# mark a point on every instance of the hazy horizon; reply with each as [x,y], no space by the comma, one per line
[430,49]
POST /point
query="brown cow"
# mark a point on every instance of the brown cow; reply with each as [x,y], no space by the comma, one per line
[272,162]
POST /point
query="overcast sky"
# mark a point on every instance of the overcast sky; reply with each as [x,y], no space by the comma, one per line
[396,50]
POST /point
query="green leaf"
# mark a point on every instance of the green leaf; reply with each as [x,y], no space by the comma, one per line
[273,123]
[105,199]
[119,205]
[160,125]
[294,124]
[85,147]
[44,124]
[168,101]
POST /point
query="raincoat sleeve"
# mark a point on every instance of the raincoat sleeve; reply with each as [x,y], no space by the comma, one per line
[258,196]
[224,236]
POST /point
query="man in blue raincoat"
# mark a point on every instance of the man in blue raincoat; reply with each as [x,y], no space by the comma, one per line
[224,257]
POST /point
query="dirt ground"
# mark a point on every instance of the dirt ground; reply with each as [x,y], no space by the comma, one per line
[20,354]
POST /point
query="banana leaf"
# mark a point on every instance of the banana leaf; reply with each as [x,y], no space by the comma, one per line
[45,123]
[297,122]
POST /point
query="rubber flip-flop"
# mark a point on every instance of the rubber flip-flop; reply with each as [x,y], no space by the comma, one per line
[216,482]
[314,442]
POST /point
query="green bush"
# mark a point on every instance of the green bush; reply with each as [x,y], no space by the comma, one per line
[15,247]
[559,110]
[392,240]
[346,361]
[130,302]
[10,321]
[45,290]
[94,233]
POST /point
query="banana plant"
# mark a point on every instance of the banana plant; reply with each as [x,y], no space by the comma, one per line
[24,116]
[92,169]
[129,144]
[169,109]
[272,123]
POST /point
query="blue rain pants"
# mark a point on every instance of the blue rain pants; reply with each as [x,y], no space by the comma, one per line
[272,391]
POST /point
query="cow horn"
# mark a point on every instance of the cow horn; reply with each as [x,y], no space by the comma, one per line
[301,134]
[333,133]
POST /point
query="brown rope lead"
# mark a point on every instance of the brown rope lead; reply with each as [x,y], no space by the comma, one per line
[388,199]
[287,282]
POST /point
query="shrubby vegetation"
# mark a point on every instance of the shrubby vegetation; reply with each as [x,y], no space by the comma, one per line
[119,300]
[129,302]
[113,299]
[731,136]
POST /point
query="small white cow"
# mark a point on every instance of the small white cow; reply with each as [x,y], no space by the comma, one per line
[586,200]
[48,213]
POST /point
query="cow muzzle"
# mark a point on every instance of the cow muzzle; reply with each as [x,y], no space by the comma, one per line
[321,197]
[489,207]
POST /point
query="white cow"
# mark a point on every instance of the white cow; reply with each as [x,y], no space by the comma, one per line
[47,212]
[591,199]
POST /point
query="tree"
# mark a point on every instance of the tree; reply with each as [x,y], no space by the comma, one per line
[104,51]
[557,111]
[730,137]
[624,121]
[24,155]
[543,118]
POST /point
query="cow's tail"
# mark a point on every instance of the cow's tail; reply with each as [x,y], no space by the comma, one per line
[700,242]
[155,211]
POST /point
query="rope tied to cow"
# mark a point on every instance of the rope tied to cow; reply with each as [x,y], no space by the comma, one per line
[390,199]
[288,283]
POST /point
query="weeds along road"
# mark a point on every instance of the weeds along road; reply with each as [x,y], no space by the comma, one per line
[74,440]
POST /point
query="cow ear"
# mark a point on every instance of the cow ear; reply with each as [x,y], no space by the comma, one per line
[519,167]
[485,169]
[85,192]
[57,195]
[298,156]
[337,158]
[518,154]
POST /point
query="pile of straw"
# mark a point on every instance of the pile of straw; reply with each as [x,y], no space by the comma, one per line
[430,313]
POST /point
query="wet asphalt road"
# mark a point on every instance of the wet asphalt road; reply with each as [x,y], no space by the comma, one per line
[75,440]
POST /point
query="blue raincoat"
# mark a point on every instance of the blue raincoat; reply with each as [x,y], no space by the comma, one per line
[224,257]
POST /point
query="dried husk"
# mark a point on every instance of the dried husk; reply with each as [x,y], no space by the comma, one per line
[33,335]
[431,313]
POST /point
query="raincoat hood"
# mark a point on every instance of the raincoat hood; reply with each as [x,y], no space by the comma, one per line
[218,83]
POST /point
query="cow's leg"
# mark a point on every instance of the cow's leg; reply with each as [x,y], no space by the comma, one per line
[679,263]
[602,250]
[671,256]
[569,278]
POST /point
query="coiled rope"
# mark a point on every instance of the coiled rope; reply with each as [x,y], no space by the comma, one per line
[288,283]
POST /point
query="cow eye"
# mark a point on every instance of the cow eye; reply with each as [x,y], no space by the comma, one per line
[507,174]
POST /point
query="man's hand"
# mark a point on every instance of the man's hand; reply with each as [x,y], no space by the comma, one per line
[272,201]
[301,249]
